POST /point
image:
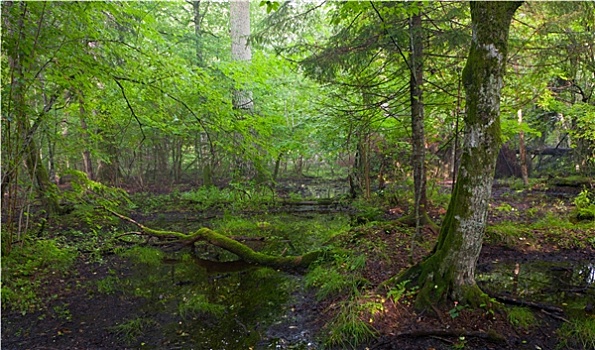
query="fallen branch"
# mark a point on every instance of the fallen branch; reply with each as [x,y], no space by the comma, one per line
[136,233]
[439,334]
[244,252]
[559,318]
[538,306]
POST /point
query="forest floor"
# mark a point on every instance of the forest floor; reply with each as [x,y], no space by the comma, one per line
[400,326]
[74,319]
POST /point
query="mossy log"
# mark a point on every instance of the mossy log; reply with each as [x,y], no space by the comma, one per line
[243,252]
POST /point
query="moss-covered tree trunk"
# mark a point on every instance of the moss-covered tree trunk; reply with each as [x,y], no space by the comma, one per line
[449,271]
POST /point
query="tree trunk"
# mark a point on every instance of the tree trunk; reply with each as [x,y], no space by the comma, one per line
[87,160]
[46,190]
[362,164]
[417,120]
[449,272]
[198,16]
[523,151]
[239,12]
[277,165]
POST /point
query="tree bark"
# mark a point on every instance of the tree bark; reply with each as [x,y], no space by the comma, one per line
[417,120]
[239,12]
[198,16]
[87,159]
[449,271]
[523,151]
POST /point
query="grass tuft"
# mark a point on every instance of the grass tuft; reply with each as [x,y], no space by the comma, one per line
[348,329]
[579,333]
[130,330]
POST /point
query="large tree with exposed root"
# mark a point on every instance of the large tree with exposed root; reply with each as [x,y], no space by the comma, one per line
[448,272]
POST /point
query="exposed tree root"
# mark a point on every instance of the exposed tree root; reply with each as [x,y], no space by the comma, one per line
[244,252]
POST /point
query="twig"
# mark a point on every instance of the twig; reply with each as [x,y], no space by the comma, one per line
[125,218]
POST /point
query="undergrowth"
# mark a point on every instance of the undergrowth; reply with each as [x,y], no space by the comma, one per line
[521,317]
[578,333]
[27,268]
[349,328]
[339,275]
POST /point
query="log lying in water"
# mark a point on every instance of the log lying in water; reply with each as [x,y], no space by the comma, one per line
[244,252]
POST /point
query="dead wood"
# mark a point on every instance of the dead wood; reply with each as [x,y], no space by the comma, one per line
[244,252]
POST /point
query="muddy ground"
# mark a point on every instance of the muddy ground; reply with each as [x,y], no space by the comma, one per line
[90,316]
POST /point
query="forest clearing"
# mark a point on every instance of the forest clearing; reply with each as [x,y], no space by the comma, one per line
[298,175]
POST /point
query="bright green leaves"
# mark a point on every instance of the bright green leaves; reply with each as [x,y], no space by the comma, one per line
[271,5]
[511,128]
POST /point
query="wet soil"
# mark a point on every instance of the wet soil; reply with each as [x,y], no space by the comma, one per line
[78,317]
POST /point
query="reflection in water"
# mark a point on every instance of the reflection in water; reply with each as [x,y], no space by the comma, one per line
[568,284]
[589,272]
[195,303]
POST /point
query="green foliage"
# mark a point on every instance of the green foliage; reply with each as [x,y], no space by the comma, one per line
[236,196]
[585,205]
[25,270]
[488,304]
[456,310]
[339,276]
[271,5]
[89,198]
[579,333]
[554,222]
[96,243]
[437,196]
[367,211]
[207,197]
[397,292]
[511,128]
[504,207]
[508,232]
[521,317]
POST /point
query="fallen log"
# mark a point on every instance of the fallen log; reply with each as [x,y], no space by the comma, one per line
[243,252]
